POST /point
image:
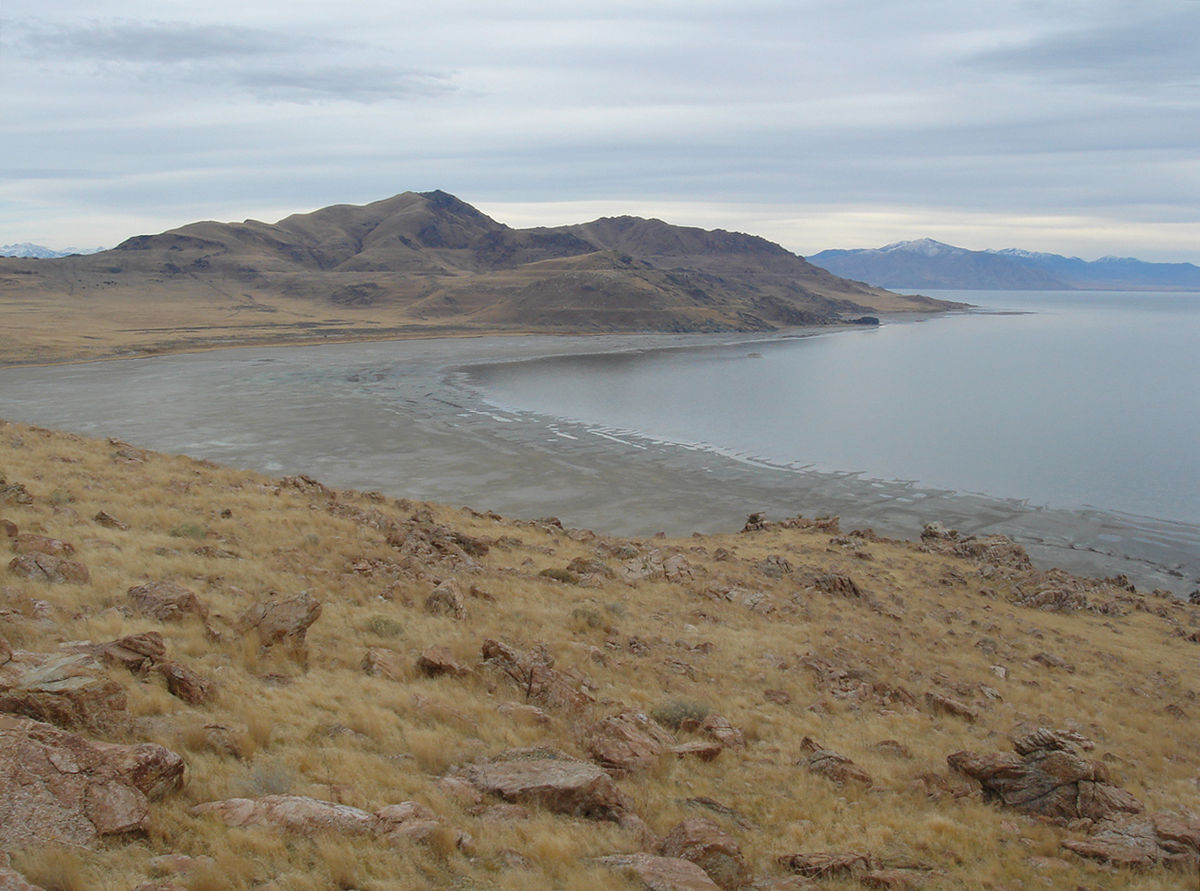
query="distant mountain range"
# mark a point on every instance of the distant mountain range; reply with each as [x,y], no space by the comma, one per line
[926,263]
[40,252]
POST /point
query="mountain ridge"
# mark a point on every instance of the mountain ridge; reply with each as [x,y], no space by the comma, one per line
[927,263]
[428,262]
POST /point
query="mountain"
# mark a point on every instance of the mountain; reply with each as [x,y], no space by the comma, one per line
[926,263]
[40,252]
[428,262]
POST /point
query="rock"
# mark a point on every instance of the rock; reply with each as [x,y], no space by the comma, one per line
[5,650]
[108,521]
[828,864]
[68,691]
[459,790]
[167,601]
[407,820]
[438,660]
[1141,841]
[306,485]
[1045,738]
[719,728]
[184,683]
[534,674]
[8,528]
[677,569]
[55,786]
[136,652]
[383,663]
[294,813]
[28,543]
[1054,783]
[840,585]
[642,568]
[14,493]
[447,600]
[660,873]
[48,568]
[833,765]
[939,703]
[627,742]
[711,848]
[282,621]
[551,780]
[705,751]
[755,522]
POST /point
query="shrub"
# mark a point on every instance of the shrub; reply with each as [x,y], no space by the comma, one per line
[674,712]
[385,626]
[560,575]
[188,530]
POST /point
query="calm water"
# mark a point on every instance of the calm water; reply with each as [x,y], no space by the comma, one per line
[1075,399]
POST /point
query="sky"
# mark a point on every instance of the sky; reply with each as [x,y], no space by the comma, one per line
[1055,125]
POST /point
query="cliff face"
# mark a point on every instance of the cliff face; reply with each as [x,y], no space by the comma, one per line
[430,261]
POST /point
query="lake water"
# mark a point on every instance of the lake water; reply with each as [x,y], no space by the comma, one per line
[1075,416]
[1076,399]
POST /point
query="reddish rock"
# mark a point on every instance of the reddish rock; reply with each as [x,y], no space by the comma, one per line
[167,601]
[68,691]
[447,600]
[1141,841]
[660,873]
[294,813]
[1054,783]
[28,543]
[677,569]
[184,683]
[383,663]
[535,676]
[56,786]
[627,742]
[136,652]
[552,780]
[49,568]
[5,651]
[282,621]
[711,848]
[705,751]
[8,528]
[438,660]
[828,864]
[108,521]
[946,704]
[719,728]
[834,765]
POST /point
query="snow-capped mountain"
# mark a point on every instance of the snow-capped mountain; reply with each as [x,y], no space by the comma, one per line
[40,252]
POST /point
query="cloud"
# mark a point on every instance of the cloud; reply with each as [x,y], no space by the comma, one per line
[273,66]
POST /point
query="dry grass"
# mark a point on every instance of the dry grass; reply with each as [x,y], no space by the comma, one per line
[317,724]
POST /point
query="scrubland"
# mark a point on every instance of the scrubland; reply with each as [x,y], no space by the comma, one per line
[796,630]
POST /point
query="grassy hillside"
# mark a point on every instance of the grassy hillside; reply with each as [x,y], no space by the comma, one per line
[805,637]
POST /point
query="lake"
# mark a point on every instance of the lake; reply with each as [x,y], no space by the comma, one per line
[1067,421]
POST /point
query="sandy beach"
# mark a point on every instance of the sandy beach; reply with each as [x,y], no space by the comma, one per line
[402,418]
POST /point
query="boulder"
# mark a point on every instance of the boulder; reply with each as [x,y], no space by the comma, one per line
[552,780]
[1142,841]
[833,765]
[70,691]
[1048,782]
[184,683]
[49,568]
[826,864]
[447,600]
[294,813]
[660,873]
[719,728]
[383,663]
[56,786]
[136,652]
[938,702]
[438,660]
[282,621]
[8,528]
[166,601]
[108,521]
[627,742]
[705,751]
[711,848]
[28,543]
[534,674]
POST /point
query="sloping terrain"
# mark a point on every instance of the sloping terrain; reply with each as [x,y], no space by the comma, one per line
[412,264]
[211,679]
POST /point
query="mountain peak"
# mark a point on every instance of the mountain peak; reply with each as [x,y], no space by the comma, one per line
[925,246]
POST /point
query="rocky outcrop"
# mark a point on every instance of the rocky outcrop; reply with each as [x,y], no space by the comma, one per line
[1143,841]
[628,742]
[185,684]
[69,691]
[282,621]
[552,780]
[660,873]
[56,786]
[534,674]
[136,652]
[49,568]
[28,543]
[447,599]
[167,601]
[438,660]
[1049,781]
[711,848]
[833,765]
[294,813]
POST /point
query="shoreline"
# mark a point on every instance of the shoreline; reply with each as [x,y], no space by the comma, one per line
[424,432]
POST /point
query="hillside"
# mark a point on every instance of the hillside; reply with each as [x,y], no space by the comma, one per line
[926,263]
[416,263]
[211,679]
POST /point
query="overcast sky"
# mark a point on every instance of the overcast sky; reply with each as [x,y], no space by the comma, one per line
[1056,125]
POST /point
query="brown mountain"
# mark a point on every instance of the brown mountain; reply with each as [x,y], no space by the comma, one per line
[423,263]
